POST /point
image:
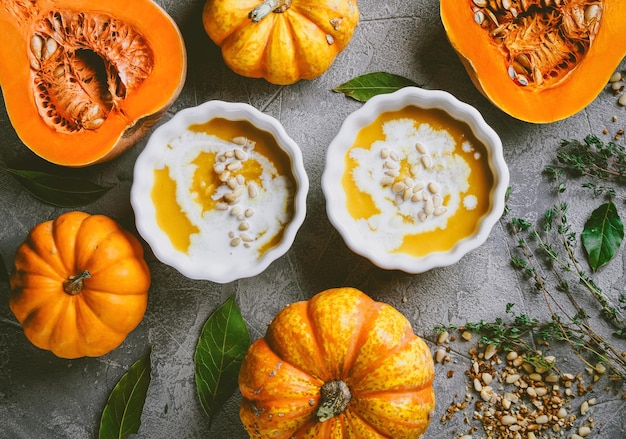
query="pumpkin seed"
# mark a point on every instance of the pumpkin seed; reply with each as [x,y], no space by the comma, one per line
[398,187]
[218,168]
[511,71]
[392,173]
[246,238]
[240,140]
[429,208]
[36,46]
[510,379]
[418,187]
[479,17]
[508,420]
[230,198]
[591,13]
[252,191]
[234,166]
[524,60]
[391,165]
[224,176]
[49,48]
[407,194]
[440,210]
[437,200]
[240,155]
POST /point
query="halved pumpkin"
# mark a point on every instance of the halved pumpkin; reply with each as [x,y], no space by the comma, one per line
[82,82]
[538,60]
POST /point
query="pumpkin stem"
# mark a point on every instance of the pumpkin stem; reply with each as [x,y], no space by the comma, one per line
[74,284]
[335,396]
[261,11]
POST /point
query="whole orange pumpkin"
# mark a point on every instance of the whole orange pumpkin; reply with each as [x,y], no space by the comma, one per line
[80,285]
[282,41]
[337,366]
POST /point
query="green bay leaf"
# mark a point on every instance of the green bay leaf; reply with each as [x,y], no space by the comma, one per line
[122,414]
[602,235]
[57,190]
[221,347]
[368,85]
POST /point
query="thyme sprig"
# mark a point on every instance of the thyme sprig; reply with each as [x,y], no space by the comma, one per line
[547,256]
[594,158]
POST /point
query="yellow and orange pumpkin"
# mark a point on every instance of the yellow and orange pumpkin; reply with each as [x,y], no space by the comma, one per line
[282,41]
[340,365]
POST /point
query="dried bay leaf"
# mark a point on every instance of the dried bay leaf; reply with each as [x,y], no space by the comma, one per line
[366,86]
[122,414]
[222,345]
[57,190]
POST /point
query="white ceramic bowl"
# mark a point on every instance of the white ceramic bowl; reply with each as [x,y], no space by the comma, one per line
[222,263]
[356,234]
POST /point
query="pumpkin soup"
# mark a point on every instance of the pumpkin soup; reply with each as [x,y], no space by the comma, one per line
[417,181]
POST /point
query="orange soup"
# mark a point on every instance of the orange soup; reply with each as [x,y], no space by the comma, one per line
[224,188]
[417,181]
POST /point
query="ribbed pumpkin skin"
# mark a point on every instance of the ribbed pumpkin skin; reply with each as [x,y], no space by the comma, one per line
[340,334]
[300,43]
[112,301]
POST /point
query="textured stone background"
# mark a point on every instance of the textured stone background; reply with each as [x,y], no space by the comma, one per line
[42,396]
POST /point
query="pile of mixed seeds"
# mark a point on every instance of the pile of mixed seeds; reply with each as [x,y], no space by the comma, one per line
[519,396]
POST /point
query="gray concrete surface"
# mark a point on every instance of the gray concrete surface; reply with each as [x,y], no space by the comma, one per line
[42,396]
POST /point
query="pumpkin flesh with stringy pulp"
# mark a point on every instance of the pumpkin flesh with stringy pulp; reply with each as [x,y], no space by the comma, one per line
[538,60]
[80,285]
[282,41]
[339,365]
[84,82]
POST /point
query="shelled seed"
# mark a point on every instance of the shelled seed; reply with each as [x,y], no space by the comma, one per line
[252,191]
